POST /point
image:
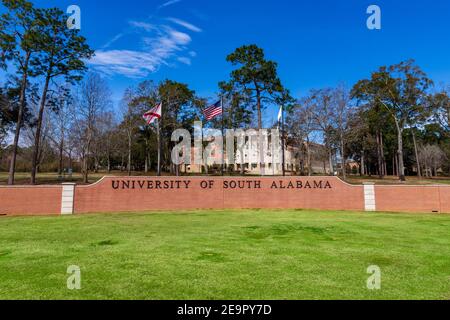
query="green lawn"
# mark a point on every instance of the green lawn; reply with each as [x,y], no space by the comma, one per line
[247,254]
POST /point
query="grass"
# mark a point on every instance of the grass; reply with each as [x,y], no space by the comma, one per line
[249,254]
[392,180]
[23,178]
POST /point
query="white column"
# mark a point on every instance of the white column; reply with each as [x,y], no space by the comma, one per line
[67,199]
[369,197]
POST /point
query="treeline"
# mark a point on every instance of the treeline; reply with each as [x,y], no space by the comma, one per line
[394,123]
[42,50]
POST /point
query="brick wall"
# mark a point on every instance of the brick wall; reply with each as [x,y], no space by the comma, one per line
[413,198]
[171,193]
[101,197]
[28,200]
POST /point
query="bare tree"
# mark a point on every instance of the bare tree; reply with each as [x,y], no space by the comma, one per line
[61,121]
[301,125]
[341,114]
[323,115]
[432,158]
[92,100]
[129,123]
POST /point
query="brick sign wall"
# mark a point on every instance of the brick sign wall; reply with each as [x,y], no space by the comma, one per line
[141,194]
[171,193]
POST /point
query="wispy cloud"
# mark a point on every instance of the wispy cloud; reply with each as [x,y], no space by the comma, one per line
[169,3]
[185,60]
[157,42]
[185,24]
[161,45]
[113,40]
[143,25]
[132,64]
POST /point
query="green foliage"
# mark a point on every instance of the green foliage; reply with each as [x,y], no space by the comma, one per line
[256,79]
[61,51]
[402,89]
[20,29]
[238,107]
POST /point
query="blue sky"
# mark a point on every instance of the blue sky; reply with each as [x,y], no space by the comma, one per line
[316,43]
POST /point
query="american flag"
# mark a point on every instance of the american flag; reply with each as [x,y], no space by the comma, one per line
[153,114]
[213,111]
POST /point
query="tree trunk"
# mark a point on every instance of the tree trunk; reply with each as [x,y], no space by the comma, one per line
[401,165]
[61,156]
[23,91]
[129,155]
[330,161]
[308,157]
[393,165]
[261,138]
[70,160]
[39,129]
[363,165]
[343,162]
[108,160]
[383,157]
[419,173]
[85,170]
[379,155]
[96,165]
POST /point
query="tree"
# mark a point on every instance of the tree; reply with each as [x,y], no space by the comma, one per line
[342,113]
[323,116]
[257,79]
[20,29]
[237,106]
[432,158]
[131,119]
[91,101]
[62,121]
[402,90]
[440,105]
[300,122]
[61,52]
[146,97]
[105,142]
[179,111]
[5,119]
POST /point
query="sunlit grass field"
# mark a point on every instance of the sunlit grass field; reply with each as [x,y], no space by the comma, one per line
[249,254]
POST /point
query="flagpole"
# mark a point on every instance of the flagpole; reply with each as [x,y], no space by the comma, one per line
[223,137]
[283,141]
[160,142]
[159,148]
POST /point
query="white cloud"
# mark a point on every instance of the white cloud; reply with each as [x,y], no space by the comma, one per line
[169,3]
[185,24]
[185,60]
[160,47]
[133,64]
[180,37]
[110,42]
[142,25]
